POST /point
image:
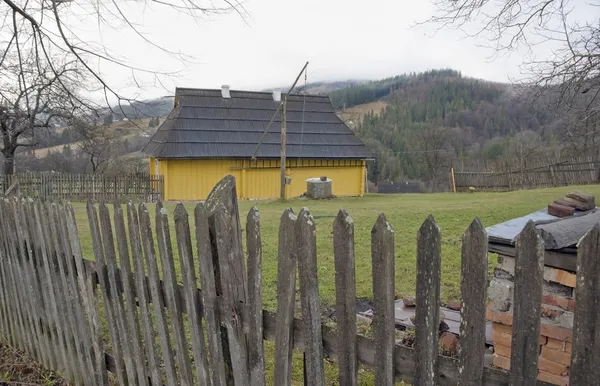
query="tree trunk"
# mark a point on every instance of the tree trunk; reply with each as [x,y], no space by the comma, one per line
[9,162]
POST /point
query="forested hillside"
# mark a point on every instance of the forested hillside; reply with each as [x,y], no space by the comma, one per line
[435,119]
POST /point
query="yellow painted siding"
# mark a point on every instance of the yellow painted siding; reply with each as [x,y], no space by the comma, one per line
[194,179]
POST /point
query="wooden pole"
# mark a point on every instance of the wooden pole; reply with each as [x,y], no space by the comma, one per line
[283,144]
[453,180]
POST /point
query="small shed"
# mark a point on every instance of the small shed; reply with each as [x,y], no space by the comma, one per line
[561,237]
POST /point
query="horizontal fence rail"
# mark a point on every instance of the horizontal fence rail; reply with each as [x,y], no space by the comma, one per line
[125,313]
[82,187]
[534,174]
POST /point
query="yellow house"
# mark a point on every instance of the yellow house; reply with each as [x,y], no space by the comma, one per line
[213,133]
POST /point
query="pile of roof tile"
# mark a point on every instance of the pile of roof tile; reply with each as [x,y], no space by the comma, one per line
[575,201]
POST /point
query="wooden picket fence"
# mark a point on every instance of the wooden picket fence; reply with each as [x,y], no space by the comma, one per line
[140,187]
[548,172]
[164,332]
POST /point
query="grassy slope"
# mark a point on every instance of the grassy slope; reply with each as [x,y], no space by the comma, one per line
[453,212]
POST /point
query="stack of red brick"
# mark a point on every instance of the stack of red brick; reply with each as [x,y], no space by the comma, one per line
[556,323]
[572,202]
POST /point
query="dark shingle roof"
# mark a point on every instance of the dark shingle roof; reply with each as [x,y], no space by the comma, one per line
[205,125]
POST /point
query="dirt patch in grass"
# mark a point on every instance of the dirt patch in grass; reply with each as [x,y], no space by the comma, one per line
[17,368]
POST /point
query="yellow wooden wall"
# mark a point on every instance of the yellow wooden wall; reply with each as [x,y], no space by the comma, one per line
[194,179]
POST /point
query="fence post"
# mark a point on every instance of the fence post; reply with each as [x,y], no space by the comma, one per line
[306,241]
[529,268]
[256,354]
[345,291]
[585,360]
[473,284]
[427,303]
[170,281]
[286,296]
[382,254]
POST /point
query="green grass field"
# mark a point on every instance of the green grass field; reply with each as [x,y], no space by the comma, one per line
[453,213]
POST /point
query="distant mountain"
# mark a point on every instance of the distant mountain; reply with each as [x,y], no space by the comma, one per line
[149,108]
[320,88]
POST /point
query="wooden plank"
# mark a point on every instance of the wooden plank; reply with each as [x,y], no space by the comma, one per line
[473,289]
[192,297]
[69,299]
[256,354]
[209,292]
[529,268]
[142,293]
[83,331]
[230,274]
[170,280]
[306,241]
[345,290]
[105,286]
[286,298]
[36,309]
[233,296]
[48,273]
[115,299]
[563,260]
[128,285]
[585,360]
[157,299]
[88,298]
[382,255]
[427,303]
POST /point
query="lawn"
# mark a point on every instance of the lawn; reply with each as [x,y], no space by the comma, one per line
[453,213]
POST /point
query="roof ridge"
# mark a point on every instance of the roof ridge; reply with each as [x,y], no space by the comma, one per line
[248,91]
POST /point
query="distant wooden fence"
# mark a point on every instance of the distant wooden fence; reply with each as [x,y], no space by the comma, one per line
[540,173]
[160,331]
[82,187]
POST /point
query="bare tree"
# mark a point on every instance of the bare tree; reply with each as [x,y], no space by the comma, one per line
[434,150]
[95,141]
[31,98]
[569,29]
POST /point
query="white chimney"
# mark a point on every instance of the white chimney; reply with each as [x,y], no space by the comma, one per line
[277,96]
[225,92]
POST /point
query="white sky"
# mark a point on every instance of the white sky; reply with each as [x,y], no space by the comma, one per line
[342,39]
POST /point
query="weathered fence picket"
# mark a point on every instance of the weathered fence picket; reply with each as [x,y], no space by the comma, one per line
[345,291]
[52,301]
[384,321]
[473,287]
[287,260]
[427,320]
[529,268]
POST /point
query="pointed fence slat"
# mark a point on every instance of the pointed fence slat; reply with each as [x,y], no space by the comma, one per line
[55,320]
[103,278]
[89,300]
[473,284]
[192,297]
[382,255]
[306,241]
[128,285]
[529,268]
[256,354]
[170,281]
[427,303]
[230,276]
[69,299]
[142,292]
[585,359]
[209,293]
[157,298]
[345,290]
[286,298]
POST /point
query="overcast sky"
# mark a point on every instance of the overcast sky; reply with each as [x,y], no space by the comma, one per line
[342,39]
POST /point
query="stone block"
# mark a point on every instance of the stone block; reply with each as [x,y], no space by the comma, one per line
[500,292]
